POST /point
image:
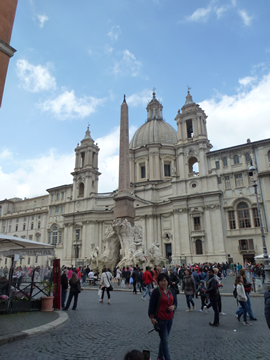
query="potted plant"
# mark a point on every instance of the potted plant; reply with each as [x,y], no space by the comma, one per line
[3,303]
[47,301]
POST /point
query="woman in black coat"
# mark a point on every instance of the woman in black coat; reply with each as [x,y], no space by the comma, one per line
[174,280]
[75,289]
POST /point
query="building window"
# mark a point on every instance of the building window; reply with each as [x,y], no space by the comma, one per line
[77,252]
[199,249]
[49,237]
[10,221]
[54,235]
[52,196]
[57,196]
[246,245]
[167,170]
[24,219]
[243,215]
[30,237]
[189,129]
[231,219]
[248,159]
[217,165]
[77,234]
[33,217]
[56,210]
[60,237]
[9,228]
[38,225]
[256,217]
[227,182]
[238,180]
[143,172]
[236,159]
[24,226]
[17,220]
[62,195]
[224,160]
[16,227]
[28,261]
[37,237]
[32,226]
[81,189]
[51,211]
[219,180]
[197,223]
[62,209]
[4,229]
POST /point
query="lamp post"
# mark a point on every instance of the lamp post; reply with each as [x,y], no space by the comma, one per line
[265,252]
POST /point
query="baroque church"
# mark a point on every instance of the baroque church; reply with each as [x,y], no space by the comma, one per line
[198,205]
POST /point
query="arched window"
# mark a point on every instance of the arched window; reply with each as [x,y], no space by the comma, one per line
[193,167]
[243,215]
[199,249]
[236,159]
[81,189]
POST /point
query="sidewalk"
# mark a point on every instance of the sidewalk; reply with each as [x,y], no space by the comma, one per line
[21,325]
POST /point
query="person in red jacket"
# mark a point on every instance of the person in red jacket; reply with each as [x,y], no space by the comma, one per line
[148,280]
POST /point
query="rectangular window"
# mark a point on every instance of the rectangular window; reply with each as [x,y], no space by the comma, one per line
[231,219]
[63,195]
[243,217]
[23,226]
[16,229]
[219,180]
[225,163]
[9,228]
[238,180]
[49,237]
[77,234]
[217,165]
[33,217]
[56,210]
[62,209]
[197,223]
[17,220]
[32,226]
[227,182]
[167,170]
[256,217]
[246,245]
[51,211]
[60,237]
[143,172]
[24,219]
[38,225]
[57,196]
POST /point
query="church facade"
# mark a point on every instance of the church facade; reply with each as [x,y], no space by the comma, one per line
[198,205]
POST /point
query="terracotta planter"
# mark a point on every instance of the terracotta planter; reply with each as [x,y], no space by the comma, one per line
[47,303]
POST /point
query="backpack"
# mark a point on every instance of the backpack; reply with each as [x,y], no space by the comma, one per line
[235,292]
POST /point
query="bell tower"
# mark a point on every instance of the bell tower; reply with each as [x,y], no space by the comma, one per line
[193,143]
[85,175]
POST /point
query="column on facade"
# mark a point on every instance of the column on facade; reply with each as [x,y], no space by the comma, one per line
[68,248]
[181,165]
[75,194]
[199,122]
[219,245]
[202,165]
[208,232]
[77,160]
[150,232]
[184,243]
[195,127]
[180,132]
[176,232]
[84,240]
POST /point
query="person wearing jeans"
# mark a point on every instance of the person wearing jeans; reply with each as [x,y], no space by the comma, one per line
[212,292]
[162,305]
[242,298]
[189,288]
[148,280]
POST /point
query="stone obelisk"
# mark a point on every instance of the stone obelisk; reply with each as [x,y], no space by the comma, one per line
[124,208]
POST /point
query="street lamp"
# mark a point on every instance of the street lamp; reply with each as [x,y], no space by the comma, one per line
[251,171]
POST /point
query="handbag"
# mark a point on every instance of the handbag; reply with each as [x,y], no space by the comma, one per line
[78,287]
[110,288]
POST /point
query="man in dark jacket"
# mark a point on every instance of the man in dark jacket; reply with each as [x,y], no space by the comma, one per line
[64,286]
[267,307]
[212,292]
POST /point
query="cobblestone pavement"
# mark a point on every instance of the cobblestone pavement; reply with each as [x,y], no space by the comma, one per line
[12,323]
[101,332]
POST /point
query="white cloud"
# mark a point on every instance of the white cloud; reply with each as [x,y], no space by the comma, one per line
[220,11]
[35,78]
[67,105]
[128,65]
[5,154]
[248,80]
[245,17]
[33,176]
[108,49]
[201,14]
[114,33]
[240,116]
[42,19]
[139,99]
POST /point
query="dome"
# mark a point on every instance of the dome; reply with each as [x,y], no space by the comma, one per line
[154,131]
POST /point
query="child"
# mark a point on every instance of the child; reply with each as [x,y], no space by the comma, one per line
[201,293]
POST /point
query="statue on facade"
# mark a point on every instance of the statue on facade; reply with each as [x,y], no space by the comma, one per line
[153,254]
[93,255]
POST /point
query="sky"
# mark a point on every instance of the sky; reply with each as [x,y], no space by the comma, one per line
[76,59]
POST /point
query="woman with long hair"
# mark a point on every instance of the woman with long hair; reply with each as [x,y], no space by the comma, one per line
[189,288]
[241,297]
[75,289]
[162,305]
[105,284]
